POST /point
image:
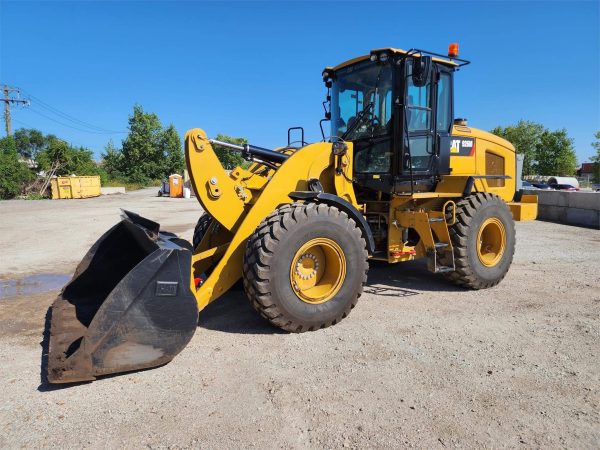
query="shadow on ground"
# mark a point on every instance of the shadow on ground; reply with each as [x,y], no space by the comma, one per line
[232,313]
[410,277]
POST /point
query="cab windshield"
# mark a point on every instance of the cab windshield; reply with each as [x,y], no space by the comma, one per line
[361,92]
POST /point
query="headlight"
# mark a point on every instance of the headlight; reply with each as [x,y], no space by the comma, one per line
[339,148]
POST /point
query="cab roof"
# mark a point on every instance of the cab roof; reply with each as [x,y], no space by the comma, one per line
[396,51]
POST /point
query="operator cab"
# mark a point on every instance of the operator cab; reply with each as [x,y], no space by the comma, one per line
[396,107]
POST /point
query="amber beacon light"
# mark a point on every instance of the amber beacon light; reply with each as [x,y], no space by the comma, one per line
[453,50]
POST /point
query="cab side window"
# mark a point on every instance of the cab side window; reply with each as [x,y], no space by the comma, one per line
[419,112]
[350,103]
[444,103]
[419,105]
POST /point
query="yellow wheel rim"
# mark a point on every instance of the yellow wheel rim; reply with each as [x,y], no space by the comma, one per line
[491,242]
[318,270]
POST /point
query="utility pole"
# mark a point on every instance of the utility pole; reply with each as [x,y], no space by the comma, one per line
[7,102]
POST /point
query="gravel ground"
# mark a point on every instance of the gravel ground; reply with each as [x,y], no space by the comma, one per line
[418,363]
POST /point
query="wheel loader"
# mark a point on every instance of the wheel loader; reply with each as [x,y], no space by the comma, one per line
[399,178]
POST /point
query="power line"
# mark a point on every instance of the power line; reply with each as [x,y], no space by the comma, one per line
[23,123]
[72,143]
[72,126]
[77,123]
[68,117]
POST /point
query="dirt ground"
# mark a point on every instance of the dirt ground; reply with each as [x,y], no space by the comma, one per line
[418,363]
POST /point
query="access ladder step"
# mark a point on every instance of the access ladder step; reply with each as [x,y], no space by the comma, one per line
[444,269]
[436,219]
[441,245]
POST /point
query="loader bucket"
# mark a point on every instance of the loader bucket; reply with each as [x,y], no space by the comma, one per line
[128,307]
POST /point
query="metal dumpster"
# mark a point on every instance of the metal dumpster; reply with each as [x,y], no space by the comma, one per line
[75,187]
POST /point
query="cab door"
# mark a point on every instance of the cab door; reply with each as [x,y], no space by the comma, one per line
[419,125]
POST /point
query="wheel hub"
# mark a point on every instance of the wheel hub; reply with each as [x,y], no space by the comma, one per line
[318,270]
[307,266]
[491,242]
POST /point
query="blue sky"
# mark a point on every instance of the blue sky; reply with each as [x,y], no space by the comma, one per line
[253,69]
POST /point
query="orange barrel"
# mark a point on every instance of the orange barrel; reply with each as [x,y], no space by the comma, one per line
[175,186]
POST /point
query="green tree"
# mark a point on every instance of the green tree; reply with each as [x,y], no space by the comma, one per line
[14,175]
[555,154]
[596,157]
[8,145]
[112,160]
[230,158]
[545,152]
[526,137]
[29,142]
[70,160]
[143,157]
[171,148]
[57,151]
[149,152]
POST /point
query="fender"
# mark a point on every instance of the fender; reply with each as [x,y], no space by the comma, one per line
[342,205]
[308,162]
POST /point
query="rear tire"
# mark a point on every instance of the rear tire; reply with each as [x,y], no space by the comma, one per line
[483,240]
[305,266]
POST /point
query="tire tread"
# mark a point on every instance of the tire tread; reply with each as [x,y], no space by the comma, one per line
[261,247]
[466,209]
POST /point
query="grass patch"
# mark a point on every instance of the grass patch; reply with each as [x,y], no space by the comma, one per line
[34,196]
[130,186]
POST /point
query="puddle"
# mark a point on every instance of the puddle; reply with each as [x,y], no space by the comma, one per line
[32,284]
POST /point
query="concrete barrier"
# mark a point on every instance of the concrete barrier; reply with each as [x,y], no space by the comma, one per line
[112,190]
[571,208]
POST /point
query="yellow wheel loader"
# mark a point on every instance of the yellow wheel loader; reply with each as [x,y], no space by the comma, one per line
[398,179]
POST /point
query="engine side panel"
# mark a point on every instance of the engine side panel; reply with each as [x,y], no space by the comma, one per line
[489,158]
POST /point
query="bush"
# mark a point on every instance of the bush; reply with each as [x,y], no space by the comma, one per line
[34,196]
[130,185]
[103,176]
[71,160]
[14,175]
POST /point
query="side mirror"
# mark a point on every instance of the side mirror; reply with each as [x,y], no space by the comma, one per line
[421,70]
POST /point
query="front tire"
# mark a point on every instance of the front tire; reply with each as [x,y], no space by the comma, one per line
[204,222]
[305,266]
[483,240]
